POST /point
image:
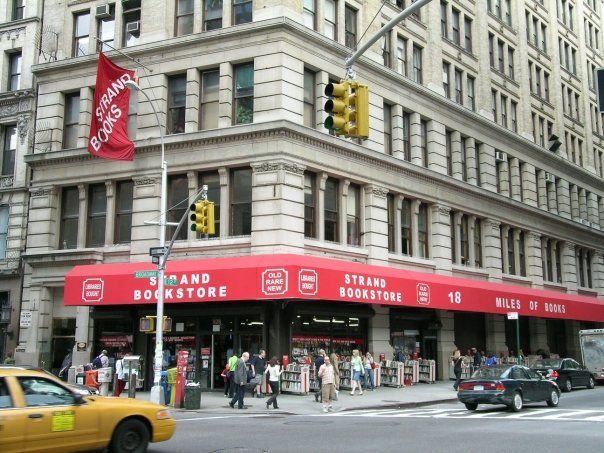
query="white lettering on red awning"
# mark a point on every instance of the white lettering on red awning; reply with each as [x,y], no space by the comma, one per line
[274,282]
[308,282]
[92,290]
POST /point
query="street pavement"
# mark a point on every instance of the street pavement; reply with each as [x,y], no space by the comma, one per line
[577,425]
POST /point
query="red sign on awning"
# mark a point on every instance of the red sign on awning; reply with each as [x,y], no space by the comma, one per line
[250,278]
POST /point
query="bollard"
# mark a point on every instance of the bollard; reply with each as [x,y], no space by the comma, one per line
[132,386]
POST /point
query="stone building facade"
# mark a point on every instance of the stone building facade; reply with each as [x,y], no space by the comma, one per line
[460,176]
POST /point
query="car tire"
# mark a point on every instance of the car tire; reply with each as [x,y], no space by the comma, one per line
[517,402]
[471,406]
[591,383]
[130,436]
[567,385]
[554,399]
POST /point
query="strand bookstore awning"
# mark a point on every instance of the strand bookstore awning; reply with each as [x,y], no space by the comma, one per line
[311,278]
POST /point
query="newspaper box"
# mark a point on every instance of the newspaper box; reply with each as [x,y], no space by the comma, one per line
[105,375]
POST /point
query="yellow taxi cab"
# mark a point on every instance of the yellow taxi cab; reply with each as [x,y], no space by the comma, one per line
[39,413]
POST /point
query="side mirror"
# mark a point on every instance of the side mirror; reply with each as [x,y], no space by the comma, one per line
[78,399]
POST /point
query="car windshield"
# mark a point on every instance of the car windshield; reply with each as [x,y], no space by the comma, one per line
[547,363]
[490,372]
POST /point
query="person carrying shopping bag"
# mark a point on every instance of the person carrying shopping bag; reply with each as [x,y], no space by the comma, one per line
[333,358]
[357,370]
[273,371]
[369,366]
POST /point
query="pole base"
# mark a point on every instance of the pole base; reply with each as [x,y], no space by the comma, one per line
[157,395]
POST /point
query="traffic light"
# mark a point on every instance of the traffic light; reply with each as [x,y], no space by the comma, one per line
[203,217]
[348,109]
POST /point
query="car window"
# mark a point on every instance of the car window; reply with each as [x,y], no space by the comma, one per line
[43,392]
[569,365]
[547,363]
[5,400]
[518,373]
[575,365]
[533,374]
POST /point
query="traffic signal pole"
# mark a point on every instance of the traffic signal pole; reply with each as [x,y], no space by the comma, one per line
[385,29]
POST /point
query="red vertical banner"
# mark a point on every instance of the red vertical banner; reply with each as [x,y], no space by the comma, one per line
[109,125]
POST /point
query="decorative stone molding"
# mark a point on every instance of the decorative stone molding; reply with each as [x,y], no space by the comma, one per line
[22,127]
[377,191]
[493,224]
[12,33]
[444,210]
[41,192]
[7,181]
[144,181]
[293,168]
[534,236]
[266,167]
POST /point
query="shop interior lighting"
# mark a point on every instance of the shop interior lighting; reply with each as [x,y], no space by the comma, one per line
[315,319]
[255,323]
[337,321]
[306,323]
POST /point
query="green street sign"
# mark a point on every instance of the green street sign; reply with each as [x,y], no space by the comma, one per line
[145,274]
[171,282]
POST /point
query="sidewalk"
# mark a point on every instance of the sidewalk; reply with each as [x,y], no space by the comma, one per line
[382,398]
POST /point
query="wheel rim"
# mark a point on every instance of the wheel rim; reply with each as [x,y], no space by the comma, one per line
[554,397]
[517,401]
[569,385]
[592,384]
[131,440]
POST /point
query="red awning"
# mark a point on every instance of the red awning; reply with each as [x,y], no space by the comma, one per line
[308,277]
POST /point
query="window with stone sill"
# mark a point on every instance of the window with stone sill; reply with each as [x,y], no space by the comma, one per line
[423,127]
[210,89]
[123,212]
[18,9]
[406,230]
[14,71]
[331,210]
[106,31]
[244,94]
[183,17]
[97,213]
[467,34]
[401,56]
[353,223]
[309,99]
[70,210]
[71,120]
[309,9]
[9,150]
[470,100]
[390,214]
[132,22]
[417,63]
[3,230]
[386,51]
[406,134]
[478,243]
[242,11]
[178,203]
[241,201]
[310,205]
[350,27]
[81,34]
[446,82]
[212,16]
[387,109]
[422,231]
[177,96]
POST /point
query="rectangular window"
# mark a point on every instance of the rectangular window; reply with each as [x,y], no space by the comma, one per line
[331,209]
[406,227]
[97,214]
[417,64]
[494,102]
[500,65]
[390,214]
[14,71]
[446,83]
[387,109]
[458,87]
[81,31]
[463,239]
[443,20]
[467,30]
[244,94]
[422,231]
[522,254]
[492,50]
[401,56]
[309,99]
[535,30]
[424,142]
[71,120]
[212,15]
[310,203]
[386,52]
[9,150]
[177,97]
[209,99]
[353,225]
[106,31]
[464,166]
[212,180]
[184,17]
[3,231]
[123,212]
[508,12]
[350,27]
[514,116]
[449,152]
[455,26]
[178,204]
[471,104]
[241,202]
[511,261]
[406,131]
[309,14]
[477,244]
[546,86]
[242,11]
[329,25]
[504,111]
[510,63]
[18,8]
[543,38]
[132,22]
[70,210]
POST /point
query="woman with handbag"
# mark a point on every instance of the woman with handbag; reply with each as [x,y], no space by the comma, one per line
[336,374]
[273,371]
[357,370]
[369,366]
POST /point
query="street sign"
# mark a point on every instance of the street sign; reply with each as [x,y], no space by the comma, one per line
[512,315]
[145,274]
[158,251]
[170,282]
[25,320]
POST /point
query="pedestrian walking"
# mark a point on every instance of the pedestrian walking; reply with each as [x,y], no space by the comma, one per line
[231,374]
[240,378]
[225,377]
[273,371]
[320,360]
[457,363]
[258,367]
[477,358]
[328,388]
[356,370]
[333,358]
[120,383]
[369,366]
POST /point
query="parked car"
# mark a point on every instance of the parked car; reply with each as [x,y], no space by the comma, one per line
[38,412]
[511,385]
[567,373]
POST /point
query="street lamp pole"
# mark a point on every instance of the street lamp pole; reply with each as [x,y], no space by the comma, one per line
[156,392]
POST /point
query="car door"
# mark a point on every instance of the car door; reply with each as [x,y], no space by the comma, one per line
[11,428]
[524,382]
[540,385]
[579,374]
[53,420]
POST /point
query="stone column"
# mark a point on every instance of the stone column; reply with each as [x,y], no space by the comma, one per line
[83,322]
[505,260]
[544,242]
[322,80]
[278,207]
[415,138]
[574,202]
[456,162]
[83,214]
[445,342]
[538,334]
[534,262]
[504,178]
[227,14]
[440,238]
[569,267]
[414,227]
[146,120]
[471,244]
[225,203]
[437,148]
[492,248]
[541,190]
[398,132]
[225,93]
[471,161]
[597,270]
[553,259]
[582,204]
[86,101]
[592,209]
[515,179]
[563,195]
[379,332]
[488,173]
[145,205]
[192,100]
[495,333]
[376,224]
[552,198]
[342,221]
[321,179]
[456,228]
[110,212]
[529,184]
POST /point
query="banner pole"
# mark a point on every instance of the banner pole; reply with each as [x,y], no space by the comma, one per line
[122,54]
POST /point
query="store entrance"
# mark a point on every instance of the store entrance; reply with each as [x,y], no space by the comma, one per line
[222,350]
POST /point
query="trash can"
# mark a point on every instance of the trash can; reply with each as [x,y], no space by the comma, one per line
[192,396]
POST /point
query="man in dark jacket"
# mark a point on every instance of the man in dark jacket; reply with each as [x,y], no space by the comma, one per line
[320,360]
[477,358]
[240,378]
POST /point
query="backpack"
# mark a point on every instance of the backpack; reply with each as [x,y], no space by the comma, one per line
[97,362]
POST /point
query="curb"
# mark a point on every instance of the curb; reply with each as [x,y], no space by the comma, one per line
[400,405]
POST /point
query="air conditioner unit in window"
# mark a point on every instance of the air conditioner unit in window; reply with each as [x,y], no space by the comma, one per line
[133,27]
[549,177]
[501,156]
[585,222]
[103,11]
